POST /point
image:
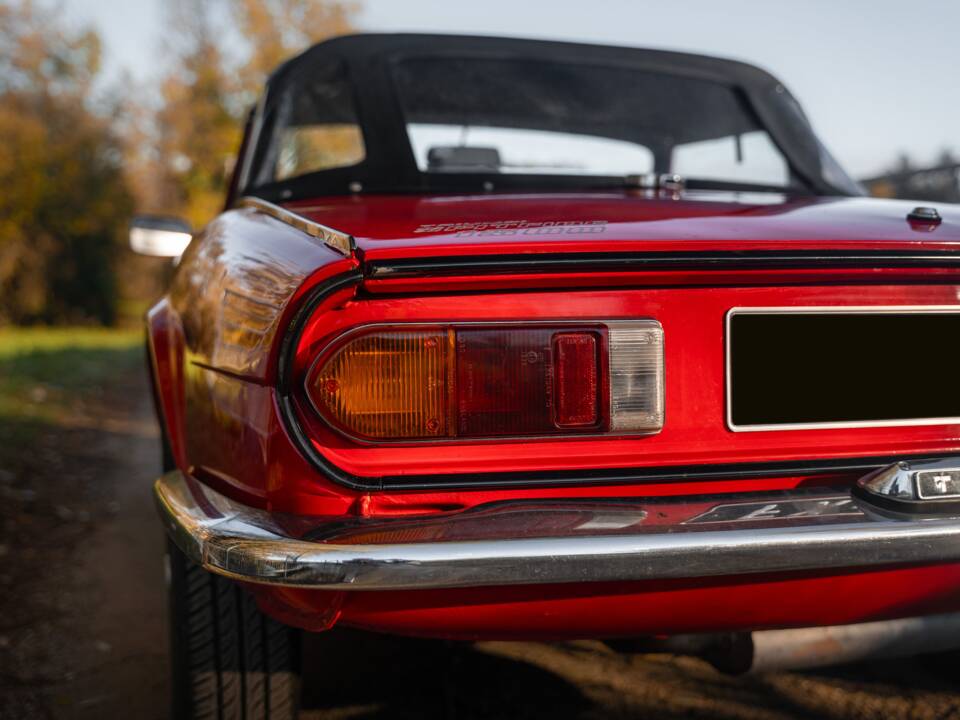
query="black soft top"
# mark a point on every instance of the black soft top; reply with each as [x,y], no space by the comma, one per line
[369,63]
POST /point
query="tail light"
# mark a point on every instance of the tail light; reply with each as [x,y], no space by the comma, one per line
[432,382]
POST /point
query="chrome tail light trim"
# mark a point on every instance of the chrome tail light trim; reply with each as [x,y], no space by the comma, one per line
[334,239]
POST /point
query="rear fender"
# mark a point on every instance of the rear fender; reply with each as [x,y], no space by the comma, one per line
[165,357]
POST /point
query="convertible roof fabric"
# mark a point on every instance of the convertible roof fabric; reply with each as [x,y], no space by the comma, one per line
[569,87]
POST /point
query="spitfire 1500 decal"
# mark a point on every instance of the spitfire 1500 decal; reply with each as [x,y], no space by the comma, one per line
[516,227]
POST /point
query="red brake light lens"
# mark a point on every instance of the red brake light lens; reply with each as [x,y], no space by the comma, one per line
[505,382]
[421,383]
[576,360]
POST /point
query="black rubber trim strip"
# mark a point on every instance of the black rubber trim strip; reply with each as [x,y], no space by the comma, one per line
[607,476]
[622,476]
[919,508]
[289,343]
[284,385]
[610,262]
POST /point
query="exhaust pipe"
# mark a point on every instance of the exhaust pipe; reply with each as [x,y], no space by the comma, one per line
[803,648]
[841,644]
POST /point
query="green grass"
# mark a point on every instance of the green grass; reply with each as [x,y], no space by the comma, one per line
[17,340]
[47,374]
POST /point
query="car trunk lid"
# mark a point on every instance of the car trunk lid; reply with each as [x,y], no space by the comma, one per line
[503,226]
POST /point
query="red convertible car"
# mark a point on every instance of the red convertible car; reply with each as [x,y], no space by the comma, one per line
[531,340]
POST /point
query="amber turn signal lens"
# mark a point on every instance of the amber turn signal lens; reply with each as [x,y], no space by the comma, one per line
[388,385]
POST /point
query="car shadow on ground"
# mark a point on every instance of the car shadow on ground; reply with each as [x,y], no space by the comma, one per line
[364,675]
[351,674]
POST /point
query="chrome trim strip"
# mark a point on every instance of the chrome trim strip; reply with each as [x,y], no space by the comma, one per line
[826,310]
[247,544]
[334,239]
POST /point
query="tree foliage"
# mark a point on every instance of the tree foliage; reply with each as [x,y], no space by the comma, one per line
[277,29]
[208,89]
[197,130]
[65,201]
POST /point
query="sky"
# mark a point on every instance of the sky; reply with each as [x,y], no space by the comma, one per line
[877,77]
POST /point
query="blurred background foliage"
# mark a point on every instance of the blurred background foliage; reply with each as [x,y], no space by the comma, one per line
[61,167]
[78,158]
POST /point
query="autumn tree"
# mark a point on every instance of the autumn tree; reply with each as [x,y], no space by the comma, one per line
[275,30]
[211,85]
[64,205]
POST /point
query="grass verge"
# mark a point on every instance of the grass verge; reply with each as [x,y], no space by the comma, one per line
[50,374]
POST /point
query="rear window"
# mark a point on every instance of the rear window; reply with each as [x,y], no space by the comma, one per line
[470,148]
[310,148]
[751,157]
[316,128]
[524,116]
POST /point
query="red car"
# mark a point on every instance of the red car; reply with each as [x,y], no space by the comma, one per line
[531,340]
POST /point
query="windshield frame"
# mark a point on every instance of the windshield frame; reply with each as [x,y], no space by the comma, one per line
[391,167]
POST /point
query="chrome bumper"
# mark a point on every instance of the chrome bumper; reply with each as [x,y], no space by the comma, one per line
[527,543]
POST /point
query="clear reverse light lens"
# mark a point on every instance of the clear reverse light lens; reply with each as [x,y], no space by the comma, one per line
[636,376]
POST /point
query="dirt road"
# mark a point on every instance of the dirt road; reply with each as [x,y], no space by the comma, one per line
[83,628]
[84,614]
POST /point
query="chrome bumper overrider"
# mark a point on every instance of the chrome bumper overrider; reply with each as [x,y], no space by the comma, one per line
[536,542]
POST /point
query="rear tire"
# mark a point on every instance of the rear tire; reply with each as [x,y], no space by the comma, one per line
[230,661]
